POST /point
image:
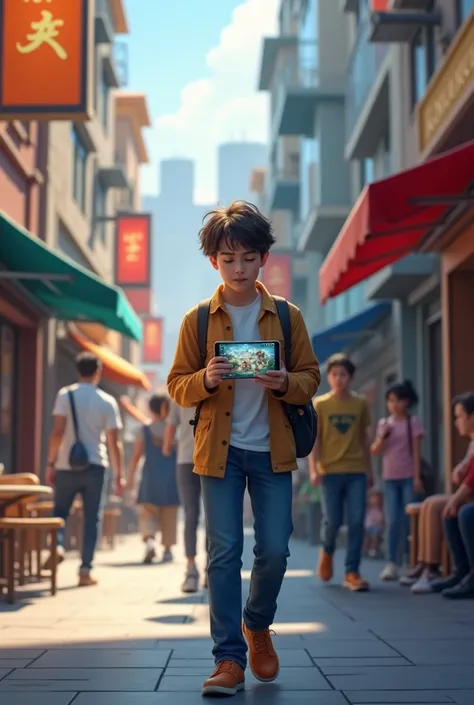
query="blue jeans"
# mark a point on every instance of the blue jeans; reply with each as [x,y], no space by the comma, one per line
[398,493]
[339,490]
[271,497]
[92,485]
[460,536]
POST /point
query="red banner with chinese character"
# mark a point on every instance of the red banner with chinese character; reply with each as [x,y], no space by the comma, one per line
[140,299]
[276,275]
[152,340]
[379,5]
[44,59]
[133,250]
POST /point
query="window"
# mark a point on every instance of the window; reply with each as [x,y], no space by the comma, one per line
[367,171]
[423,61]
[79,170]
[104,89]
[465,7]
[101,211]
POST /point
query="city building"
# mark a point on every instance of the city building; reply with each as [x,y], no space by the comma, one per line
[407,241]
[235,162]
[62,184]
[308,195]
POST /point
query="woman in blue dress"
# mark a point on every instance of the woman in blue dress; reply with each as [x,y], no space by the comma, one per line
[158,492]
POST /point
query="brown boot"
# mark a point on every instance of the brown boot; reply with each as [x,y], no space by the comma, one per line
[263,659]
[86,580]
[325,566]
[48,564]
[227,679]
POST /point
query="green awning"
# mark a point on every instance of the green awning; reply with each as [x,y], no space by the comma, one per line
[70,292]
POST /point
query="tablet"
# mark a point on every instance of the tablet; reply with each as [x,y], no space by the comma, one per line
[248,359]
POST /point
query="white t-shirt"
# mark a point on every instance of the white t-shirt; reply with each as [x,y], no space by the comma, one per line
[180,417]
[250,429]
[97,412]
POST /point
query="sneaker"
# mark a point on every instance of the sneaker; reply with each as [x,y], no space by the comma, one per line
[354,583]
[167,557]
[424,585]
[227,679]
[86,580]
[412,575]
[390,572]
[191,580]
[263,659]
[325,566]
[48,564]
[149,555]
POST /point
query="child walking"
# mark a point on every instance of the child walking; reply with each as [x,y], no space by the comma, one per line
[243,439]
[158,492]
[398,440]
[341,462]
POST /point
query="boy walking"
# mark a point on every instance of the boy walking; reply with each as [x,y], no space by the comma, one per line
[243,438]
[341,463]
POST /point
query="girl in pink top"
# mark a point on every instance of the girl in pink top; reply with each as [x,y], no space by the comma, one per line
[398,440]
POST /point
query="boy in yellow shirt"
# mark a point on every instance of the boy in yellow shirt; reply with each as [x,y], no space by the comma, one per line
[340,462]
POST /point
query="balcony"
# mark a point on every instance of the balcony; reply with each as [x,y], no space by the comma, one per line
[271,48]
[400,27]
[363,71]
[349,5]
[301,88]
[322,216]
[284,192]
[104,23]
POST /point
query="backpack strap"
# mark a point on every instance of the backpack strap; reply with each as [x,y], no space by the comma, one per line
[202,324]
[283,310]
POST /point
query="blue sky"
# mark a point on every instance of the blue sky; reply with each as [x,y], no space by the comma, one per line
[199,69]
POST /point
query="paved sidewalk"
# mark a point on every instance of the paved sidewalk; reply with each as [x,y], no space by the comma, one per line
[136,640]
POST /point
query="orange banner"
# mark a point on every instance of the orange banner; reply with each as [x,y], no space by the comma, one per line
[276,275]
[140,299]
[152,340]
[133,250]
[44,51]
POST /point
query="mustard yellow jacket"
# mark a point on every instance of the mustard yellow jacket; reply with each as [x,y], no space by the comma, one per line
[186,384]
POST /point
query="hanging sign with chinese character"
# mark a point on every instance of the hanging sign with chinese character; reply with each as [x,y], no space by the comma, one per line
[152,340]
[133,250]
[46,50]
[276,275]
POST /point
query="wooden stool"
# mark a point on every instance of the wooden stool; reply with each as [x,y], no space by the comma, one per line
[10,526]
[413,511]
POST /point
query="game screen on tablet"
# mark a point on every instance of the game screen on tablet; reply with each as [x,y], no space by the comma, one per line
[249,359]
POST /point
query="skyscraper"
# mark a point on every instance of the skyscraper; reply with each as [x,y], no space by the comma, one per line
[236,161]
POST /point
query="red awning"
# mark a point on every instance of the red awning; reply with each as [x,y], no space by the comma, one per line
[115,368]
[393,216]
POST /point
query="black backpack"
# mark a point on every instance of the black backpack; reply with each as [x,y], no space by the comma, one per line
[302,417]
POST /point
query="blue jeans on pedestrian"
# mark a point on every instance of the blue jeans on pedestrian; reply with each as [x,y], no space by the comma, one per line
[338,491]
[271,497]
[460,536]
[92,485]
[398,494]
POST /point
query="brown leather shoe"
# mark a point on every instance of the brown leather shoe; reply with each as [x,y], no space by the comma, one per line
[227,679]
[263,659]
[325,566]
[354,583]
[86,580]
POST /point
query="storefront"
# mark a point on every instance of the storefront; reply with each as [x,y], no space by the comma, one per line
[37,285]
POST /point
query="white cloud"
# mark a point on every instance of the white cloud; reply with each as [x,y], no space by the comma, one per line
[224,107]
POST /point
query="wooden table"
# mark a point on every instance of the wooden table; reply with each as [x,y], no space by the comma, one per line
[12,494]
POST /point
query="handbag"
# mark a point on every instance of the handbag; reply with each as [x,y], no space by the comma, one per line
[302,417]
[78,455]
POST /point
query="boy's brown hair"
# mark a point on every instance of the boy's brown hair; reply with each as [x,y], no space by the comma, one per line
[341,360]
[239,225]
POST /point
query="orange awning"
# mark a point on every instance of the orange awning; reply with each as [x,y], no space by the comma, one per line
[393,216]
[132,410]
[115,368]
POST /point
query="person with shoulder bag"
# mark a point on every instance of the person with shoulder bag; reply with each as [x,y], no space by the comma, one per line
[86,424]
